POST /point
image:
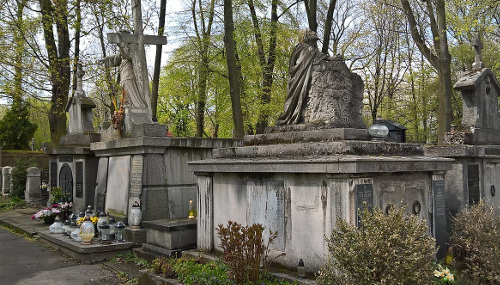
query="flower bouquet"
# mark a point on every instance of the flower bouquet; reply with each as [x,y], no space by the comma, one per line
[47,214]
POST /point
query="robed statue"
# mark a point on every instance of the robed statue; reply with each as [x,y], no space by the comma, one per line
[300,71]
[130,77]
[321,90]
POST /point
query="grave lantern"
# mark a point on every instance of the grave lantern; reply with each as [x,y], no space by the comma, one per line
[72,219]
[301,270]
[66,226]
[135,216]
[378,132]
[104,232]
[190,210]
[102,218]
[56,227]
[87,230]
[120,232]
[112,223]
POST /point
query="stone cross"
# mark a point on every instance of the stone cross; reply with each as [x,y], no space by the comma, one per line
[79,80]
[478,46]
[138,54]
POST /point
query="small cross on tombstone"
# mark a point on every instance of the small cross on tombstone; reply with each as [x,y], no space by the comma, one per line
[79,80]
[478,46]
[136,41]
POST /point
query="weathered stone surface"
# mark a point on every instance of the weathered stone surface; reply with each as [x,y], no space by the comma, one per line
[336,96]
[118,185]
[171,233]
[314,149]
[6,176]
[310,133]
[33,182]
[80,107]
[303,206]
[480,120]
[333,164]
[83,139]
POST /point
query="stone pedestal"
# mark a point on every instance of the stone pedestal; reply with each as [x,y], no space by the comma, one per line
[299,189]
[152,170]
[33,193]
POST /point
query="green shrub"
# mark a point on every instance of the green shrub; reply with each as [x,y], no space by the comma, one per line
[389,249]
[243,249]
[18,177]
[475,238]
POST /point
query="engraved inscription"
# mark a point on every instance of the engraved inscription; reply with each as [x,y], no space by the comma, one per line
[364,199]
[79,179]
[136,175]
[53,174]
[440,233]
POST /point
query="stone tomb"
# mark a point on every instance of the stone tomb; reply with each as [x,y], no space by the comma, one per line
[299,189]
[316,165]
[152,171]
[73,167]
[475,145]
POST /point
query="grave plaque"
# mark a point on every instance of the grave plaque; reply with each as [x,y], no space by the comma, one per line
[267,207]
[65,159]
[53,174]
[364,200]
[439,210]
[473,183]
[79,179]
[136,178]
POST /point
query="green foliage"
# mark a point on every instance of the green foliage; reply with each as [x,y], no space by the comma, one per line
[389,249]
[18,178]
[243,248]
[57,195]
[12,203]
[475,236]
[16,130]
[198,271]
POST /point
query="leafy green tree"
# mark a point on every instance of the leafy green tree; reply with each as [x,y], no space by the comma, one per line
[16,130]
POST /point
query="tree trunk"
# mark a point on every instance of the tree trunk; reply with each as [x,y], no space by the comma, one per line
[438,56]
[233,72]
[267,66]
[59,63]
[328,26]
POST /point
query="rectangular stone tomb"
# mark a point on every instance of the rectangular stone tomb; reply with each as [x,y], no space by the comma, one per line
[301,198]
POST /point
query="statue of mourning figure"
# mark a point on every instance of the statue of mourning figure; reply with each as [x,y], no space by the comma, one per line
[129,79]
[135,109]
[321,90]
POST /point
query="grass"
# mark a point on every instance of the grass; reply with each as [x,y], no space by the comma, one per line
[130,258]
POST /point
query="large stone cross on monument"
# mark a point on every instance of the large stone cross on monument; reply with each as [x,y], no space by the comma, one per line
[136,41]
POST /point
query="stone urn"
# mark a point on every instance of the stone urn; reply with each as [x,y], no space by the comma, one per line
[135,216]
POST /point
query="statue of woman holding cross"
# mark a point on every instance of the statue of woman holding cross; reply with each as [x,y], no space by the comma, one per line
[128,78]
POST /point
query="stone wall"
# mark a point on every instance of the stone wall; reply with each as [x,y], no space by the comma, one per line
[302,207]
